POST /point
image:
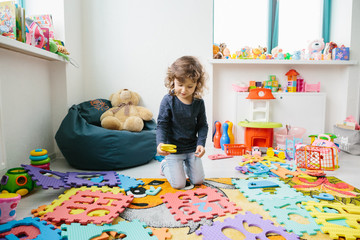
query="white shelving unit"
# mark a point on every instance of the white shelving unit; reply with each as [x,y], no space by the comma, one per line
[283,62]
[300,109]
[16,46]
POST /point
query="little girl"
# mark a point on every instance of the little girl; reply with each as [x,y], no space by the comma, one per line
[182,122]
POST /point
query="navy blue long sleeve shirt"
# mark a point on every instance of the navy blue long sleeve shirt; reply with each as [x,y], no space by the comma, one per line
[184,125]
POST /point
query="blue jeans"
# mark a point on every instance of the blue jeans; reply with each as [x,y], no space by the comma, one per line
[176,165]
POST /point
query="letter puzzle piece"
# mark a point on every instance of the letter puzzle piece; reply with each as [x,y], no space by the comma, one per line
[350,213]
[40,230]
[195,204]
[128,182]
[68,194]
[89,207]
[134,230]
[237,223]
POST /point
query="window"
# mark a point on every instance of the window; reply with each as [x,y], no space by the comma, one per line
[240,23]
[300,21]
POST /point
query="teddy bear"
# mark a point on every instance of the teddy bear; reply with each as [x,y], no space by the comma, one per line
[315,47]
[125,114]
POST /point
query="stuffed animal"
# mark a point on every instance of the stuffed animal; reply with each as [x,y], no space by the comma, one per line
[125,114]
[315,47]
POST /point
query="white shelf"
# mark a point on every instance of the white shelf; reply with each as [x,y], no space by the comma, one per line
[16,46]
[287,62]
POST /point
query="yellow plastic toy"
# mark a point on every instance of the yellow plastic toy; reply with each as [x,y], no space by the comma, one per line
[272,152]
[168,148]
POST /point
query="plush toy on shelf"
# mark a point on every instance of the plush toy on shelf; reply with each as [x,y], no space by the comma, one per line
[125,114]
[315,47]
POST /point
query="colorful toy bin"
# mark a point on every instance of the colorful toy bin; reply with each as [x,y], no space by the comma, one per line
[17,180]
[8,204]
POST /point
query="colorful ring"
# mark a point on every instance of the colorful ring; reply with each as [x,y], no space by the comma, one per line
[44,166]
[41,162]
[38,152]
[38,158]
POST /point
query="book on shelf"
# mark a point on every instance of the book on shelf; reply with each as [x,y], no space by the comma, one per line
[8,19]
[44,21]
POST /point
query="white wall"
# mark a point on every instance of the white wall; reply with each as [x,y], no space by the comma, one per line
[133,42]
[26,106]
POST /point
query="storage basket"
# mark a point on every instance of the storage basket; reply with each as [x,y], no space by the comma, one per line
[317,158]
[234,149]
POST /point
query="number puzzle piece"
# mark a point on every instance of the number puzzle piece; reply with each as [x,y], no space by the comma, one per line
[237,223]
[85,206]
[134,230]
[181,204]
[43,231]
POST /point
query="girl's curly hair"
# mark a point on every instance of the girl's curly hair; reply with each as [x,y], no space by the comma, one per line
[186,67]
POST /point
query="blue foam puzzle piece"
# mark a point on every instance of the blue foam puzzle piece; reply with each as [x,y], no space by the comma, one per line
[47,231]
[134,230]
[262,184]
[324,196]
[129,182]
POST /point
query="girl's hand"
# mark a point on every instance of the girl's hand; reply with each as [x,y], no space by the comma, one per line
[200,151]
[161,152]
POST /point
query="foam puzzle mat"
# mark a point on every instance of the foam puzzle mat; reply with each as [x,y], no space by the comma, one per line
[220,208]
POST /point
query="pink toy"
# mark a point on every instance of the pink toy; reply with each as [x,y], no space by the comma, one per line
[8,204]
[218,156]
[255,151]
[324,143]
[315,47]
[312,87]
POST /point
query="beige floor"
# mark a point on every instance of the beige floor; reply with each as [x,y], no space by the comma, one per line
[349,172]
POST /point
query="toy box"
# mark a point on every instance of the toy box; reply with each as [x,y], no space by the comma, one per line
[341,53]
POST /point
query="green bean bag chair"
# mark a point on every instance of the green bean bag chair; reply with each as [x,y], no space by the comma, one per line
[88,146]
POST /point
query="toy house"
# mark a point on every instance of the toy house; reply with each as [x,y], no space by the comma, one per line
[292,80]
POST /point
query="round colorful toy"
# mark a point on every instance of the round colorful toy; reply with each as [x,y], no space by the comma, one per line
[39,158]
[8,204]
[17,180]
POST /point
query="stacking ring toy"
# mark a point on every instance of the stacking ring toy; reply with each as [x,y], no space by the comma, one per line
[171,148]
[38,152]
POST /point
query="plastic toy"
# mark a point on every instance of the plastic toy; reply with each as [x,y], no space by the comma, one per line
[259,104]
[275,152]
[8,204]
[234,149]
[225,139]
[292,80]
[217,135]
[171,148]
[255,150]
[230,132]
[218,156]
[312,87]
[262,184]
[317,158]
[323,141]
[39,158]
[17,180]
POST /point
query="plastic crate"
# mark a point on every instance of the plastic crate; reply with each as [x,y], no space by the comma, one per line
[317,158]
[234,149]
